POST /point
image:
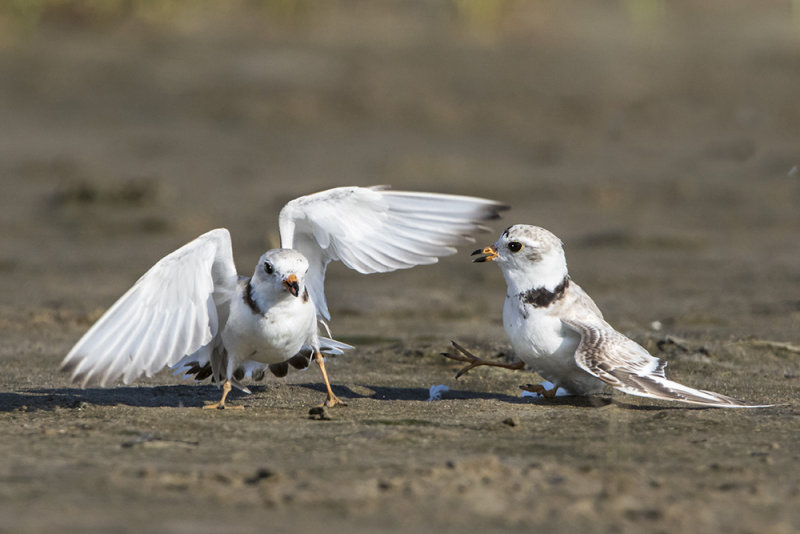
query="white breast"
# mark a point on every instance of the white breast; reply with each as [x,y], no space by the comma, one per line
[273,337]
[533,332]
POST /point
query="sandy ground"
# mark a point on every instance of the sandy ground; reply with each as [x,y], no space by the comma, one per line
[661,143]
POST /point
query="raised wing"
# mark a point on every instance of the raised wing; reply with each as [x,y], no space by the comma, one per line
[376,230]
[626,365]
[175,308]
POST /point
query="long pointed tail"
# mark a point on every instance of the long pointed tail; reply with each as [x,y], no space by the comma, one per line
[656,387]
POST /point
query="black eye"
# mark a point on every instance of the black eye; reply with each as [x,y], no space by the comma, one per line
[268,267]
[515,246]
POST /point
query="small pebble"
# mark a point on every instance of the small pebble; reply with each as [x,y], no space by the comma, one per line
[511,421]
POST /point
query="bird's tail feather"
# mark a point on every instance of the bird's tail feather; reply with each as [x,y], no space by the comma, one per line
[333,347]
[657,387]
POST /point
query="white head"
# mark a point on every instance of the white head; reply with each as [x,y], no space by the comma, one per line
[279,272]
[529,256]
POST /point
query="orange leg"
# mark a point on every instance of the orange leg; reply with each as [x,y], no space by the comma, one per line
[332,399]
[226,388]
[474,361]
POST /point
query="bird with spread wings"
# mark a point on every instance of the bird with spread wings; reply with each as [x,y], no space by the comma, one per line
[192,311]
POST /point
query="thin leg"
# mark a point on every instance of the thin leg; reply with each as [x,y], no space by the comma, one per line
[226,388]
[332,399]
[474,361]
[541,390]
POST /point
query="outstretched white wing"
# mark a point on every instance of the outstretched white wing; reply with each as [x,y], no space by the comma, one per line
[175,308]
[375,230]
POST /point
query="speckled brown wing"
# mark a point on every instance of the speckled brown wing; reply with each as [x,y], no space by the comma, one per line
[621,362]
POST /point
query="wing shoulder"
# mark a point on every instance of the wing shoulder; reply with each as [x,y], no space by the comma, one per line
[581,305]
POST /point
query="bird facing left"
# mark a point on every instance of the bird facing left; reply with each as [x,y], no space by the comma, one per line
[192,311]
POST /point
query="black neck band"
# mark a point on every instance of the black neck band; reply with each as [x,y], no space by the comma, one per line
[248,299]
[539,297]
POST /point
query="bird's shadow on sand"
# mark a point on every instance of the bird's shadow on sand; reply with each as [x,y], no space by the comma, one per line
[175,396]
[392,393]
[389,393]
[188,395]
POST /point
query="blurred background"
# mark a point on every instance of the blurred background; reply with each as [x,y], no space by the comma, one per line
[659,140]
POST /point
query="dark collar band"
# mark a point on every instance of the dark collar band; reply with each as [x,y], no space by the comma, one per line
[539,297]
[248,299]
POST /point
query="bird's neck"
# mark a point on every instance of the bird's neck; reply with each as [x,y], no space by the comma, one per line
[249,297]
[540,297]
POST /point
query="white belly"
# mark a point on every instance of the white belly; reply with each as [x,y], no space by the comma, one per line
[270,338]
[541,341]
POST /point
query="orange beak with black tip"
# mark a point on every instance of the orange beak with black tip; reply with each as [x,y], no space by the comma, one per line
[489,254]
[291,285]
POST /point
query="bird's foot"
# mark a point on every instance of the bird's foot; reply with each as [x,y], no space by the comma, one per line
[474,361]
[539,389]
[226,388]
[332,401]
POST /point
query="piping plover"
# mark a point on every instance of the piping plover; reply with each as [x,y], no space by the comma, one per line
[192,312]
[556,328]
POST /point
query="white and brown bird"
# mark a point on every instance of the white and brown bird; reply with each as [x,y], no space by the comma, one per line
[192,312]
[558,331]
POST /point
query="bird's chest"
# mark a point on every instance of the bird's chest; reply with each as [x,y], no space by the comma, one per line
[533,332]
[269,337]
